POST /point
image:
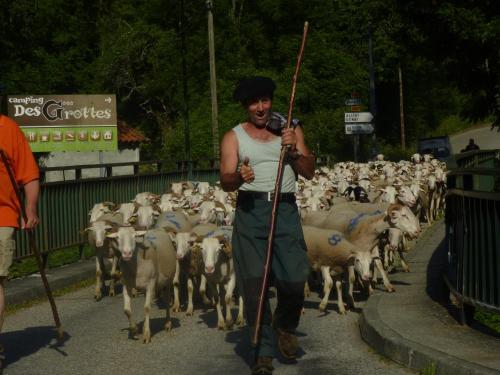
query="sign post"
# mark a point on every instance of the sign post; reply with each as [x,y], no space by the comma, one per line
[66,122]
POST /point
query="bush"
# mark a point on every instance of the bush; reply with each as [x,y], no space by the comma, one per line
[395,152]
[450,125]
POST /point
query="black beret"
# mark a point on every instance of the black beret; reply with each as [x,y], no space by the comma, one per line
[253,87]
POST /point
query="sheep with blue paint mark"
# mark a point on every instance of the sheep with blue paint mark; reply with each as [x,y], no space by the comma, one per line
[329,252]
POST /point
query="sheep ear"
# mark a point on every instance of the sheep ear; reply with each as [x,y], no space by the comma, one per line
[221,239]
[140,233]
[112,235]
[172,235]
[220,205]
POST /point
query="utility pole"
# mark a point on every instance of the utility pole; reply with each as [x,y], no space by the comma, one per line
[213,83]
[373,104]
[187,142]
[401,111]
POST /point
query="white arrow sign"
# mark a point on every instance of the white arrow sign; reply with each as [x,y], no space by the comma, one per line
[358,128]
[358,117]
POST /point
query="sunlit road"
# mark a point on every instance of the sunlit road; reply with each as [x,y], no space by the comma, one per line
[97,342]
[484,137]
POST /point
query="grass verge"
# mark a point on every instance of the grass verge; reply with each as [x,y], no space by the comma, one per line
[56,258]
[12,309]
[488,318]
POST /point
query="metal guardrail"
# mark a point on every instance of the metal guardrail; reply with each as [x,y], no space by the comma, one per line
[473,230]
[64,205]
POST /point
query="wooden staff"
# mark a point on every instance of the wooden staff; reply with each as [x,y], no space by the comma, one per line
[32,244]
[277,190]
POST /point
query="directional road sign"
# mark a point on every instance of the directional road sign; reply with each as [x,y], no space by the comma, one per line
[358,117]
[358,128]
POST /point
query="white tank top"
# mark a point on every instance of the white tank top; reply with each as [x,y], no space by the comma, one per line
[263,158]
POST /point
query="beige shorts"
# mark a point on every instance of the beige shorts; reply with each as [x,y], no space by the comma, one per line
[7,248]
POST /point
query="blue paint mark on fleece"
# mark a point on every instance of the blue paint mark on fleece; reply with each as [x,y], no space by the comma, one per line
[175,222]
[354,222]
[335,239]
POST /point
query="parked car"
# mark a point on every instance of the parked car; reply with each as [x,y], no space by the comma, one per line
[439,147]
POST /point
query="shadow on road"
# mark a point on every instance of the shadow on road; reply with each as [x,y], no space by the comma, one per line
[19,344]
[436,269]
[440,293]
[241,340]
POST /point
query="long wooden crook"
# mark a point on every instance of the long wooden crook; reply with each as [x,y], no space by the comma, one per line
[277,190]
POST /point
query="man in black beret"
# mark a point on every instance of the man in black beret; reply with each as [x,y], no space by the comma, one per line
[249,162]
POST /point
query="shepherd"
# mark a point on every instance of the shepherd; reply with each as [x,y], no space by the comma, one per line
[250,154]
[18,169]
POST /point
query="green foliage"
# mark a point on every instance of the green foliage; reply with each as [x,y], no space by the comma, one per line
[430,369]
[394,152]
[488,318]
[56,258]
[450,125]
[448,52]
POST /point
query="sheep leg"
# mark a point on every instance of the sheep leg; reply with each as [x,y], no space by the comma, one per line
[404,243]
[240,320]
[374,275]
[307,291]
[403,262]
[220,318]
[98,275]
[203,290]
[128,311]
[150,292]
[327,287]
[168,321]
[386,256]
[114,264]
[338,285]
[229,301]
[387,283]
[431,208]
[189,311]
[352,278]
[177,304]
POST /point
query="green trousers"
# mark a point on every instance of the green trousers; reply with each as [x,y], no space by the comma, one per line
[290,266]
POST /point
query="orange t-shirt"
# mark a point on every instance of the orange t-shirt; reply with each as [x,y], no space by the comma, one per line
[22,163]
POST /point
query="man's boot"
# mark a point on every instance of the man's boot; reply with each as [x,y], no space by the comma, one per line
[287,344]
[263,366]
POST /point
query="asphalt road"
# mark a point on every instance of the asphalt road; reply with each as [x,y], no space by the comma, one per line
[97,342]
[484,137]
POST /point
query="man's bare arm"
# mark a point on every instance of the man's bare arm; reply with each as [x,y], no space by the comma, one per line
[230,178]
[304,164]
[31,191]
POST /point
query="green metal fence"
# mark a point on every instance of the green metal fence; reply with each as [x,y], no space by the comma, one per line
[64,206]
[473,229]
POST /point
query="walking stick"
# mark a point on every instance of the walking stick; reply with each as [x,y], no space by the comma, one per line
[33,247]
[277,190]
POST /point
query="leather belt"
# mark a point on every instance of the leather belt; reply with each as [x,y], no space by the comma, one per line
[244,195]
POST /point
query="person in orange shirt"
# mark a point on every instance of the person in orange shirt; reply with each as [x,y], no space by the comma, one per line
[25,169]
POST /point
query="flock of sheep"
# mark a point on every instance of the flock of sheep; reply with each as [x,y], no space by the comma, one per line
[356,217]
